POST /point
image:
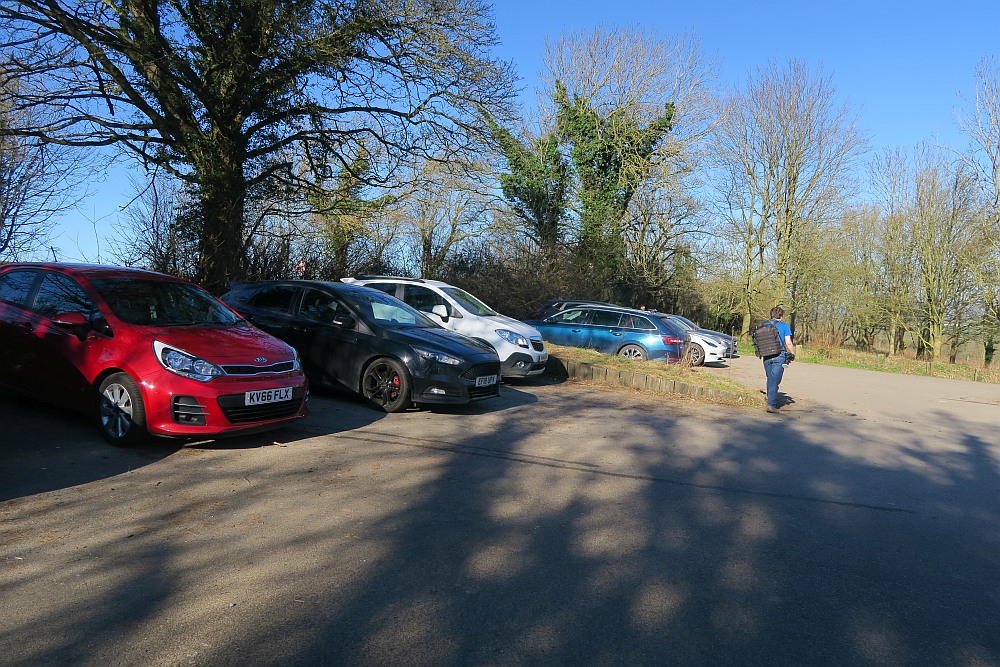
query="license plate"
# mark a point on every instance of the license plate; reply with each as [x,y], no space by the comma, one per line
[268,396]
[486,380]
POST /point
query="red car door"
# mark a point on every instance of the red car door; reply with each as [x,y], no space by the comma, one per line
[60,354]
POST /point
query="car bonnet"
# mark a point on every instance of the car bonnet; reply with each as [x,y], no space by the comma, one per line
[231,344]
[445,341]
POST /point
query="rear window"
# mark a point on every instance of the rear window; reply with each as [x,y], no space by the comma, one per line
[274,297]
[637,322]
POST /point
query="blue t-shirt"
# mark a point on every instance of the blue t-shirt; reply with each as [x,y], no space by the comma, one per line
[784,331]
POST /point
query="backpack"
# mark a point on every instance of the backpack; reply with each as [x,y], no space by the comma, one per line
[767,340]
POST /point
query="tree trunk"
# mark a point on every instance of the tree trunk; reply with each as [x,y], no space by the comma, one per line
[221,250]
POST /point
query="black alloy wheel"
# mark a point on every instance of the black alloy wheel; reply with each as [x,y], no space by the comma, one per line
[386,384]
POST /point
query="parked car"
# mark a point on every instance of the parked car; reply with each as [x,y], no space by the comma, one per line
[703,347]
[143,352]
[519,346]
[630,333]
[732,349]
[363,340]
[553,306]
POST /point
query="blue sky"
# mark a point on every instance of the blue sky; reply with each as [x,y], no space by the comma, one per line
[899,65]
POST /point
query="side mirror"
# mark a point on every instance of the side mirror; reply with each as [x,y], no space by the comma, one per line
[77,323]
[70,320]
[345,322]
[441,311]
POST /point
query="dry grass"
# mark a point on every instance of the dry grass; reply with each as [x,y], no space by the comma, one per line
[879,361]
[682,372]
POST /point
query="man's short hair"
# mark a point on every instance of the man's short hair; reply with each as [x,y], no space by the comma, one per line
[777,313]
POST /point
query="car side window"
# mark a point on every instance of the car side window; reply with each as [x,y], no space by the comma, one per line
[423,299]
[61,294]
[388,288]
[322,307]
[605,318]
[16,285]
[275,297]
[637,322]
[574,316]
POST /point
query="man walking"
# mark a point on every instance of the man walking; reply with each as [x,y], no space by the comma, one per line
[774,365]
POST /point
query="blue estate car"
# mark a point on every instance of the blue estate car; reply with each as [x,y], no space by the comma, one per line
[630,333]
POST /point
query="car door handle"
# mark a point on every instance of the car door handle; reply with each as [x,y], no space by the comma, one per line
[575,330]
[616,333]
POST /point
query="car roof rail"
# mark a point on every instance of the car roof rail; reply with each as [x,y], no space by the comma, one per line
[375,277]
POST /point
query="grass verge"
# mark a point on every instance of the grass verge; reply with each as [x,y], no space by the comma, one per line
[681,372]
[880,361]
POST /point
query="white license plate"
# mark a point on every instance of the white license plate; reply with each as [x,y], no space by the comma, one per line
[268,396]
[486,380]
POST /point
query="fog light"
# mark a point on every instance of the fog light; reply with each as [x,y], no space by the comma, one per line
[435,390]
[520,364]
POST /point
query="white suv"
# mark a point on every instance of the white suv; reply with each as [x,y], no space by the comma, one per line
[520,347]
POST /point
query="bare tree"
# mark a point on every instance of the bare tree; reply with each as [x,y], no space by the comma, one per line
[38,182]
[942,225]
[786,152]
[980,121]
[448,205]
[215,93]
[158,237]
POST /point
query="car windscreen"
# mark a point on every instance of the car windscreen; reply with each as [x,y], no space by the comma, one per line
[383,309]
[469,302]
[673,325]
[162,303]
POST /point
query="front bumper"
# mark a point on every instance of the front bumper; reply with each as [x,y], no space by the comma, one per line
[442,384]
[522,364]
[181,407]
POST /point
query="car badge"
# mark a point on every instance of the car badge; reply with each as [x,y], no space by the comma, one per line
[261,360]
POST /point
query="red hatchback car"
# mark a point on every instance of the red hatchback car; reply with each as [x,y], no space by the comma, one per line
[144,352]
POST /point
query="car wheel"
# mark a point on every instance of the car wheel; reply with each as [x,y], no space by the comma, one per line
[121,414]
[696,354]
[632,352]
[387,385]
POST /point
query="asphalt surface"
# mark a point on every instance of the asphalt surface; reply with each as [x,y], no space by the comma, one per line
[557,525]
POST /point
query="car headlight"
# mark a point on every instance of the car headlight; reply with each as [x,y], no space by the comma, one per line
[184,363]
[440,357]
[513,337]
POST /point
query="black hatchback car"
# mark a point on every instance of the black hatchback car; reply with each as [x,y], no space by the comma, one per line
[361,339]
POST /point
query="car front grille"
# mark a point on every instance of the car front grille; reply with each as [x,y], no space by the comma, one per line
[537,345]
[236,411]
[491,368]
[247,369]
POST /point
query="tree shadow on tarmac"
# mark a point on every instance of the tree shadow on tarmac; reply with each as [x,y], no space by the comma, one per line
[536,535]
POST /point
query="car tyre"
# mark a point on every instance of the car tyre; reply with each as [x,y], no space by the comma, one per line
[386,385]
[632,352]
[121,415]
[696,354]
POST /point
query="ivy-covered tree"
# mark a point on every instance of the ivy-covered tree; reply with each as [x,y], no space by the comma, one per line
[611,156]
[536,185]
